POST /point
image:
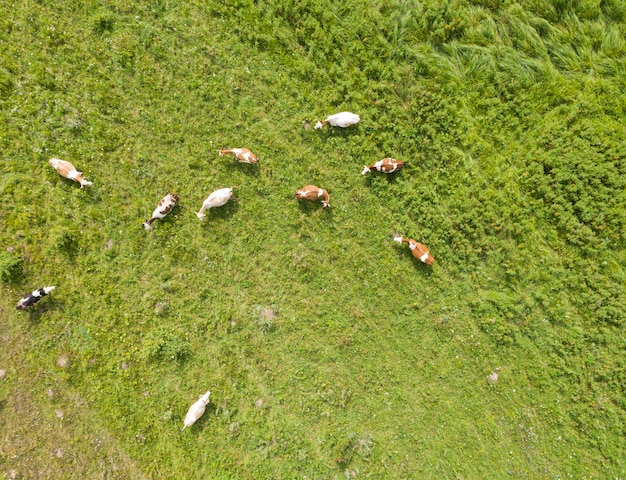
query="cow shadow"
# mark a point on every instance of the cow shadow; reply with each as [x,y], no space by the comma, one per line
[249,169]
[329,131]
[373,178]
[314,208]
[222,213]
[404,254]
[41,309]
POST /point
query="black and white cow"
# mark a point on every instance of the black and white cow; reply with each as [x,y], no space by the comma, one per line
[32,298]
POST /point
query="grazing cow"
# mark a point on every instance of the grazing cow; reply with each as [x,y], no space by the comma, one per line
[418,250]
[67,170]
[167,203]
[243,155]
[342,119]
[386,165]
[313,193]
[31,299]
[216,199]
[196,410]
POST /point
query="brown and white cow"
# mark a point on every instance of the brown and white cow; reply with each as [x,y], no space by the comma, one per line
[418,250]
[67,170]
[313,193]
[165,206]
[386,165]
[243,155]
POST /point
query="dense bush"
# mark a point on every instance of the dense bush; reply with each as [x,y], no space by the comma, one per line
[576,172]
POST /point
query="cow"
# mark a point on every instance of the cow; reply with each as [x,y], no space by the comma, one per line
[32,298]
[165,206]
[67,170]
[243,155]
[418,250]
[342,119]
[196,410]
[386,165]
[216,199]
[313,193]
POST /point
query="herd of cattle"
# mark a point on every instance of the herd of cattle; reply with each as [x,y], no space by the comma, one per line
[222,196]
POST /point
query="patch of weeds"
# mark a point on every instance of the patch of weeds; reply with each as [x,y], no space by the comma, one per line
[82,340]
[502,332]
[65,242]
[529,437]
[443,21]
[265,317]
[103,22]
[6,84]
[233,429]
[227,410]
[160,308]
[355,445]
[336,395]
[266,446]
[165,343]
[10,266]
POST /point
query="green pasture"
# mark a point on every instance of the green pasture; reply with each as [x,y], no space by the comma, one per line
[329,351]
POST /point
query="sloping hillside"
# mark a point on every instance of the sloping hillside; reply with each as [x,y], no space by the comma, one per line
[329,351]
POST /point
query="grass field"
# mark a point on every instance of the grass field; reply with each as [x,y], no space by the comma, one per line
[329,351]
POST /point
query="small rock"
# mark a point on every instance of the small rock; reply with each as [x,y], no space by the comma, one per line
[50,393]
[10,249]
[493,376]
[58,452]
[258,403]
[3,374]
[13,474]
[63,361]
[124,365]
[59,414]
[267,314]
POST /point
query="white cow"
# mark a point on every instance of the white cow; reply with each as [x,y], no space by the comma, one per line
[196,410]
[216,199]
[341,119]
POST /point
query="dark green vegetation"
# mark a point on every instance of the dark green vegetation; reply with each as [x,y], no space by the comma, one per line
[329,352]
